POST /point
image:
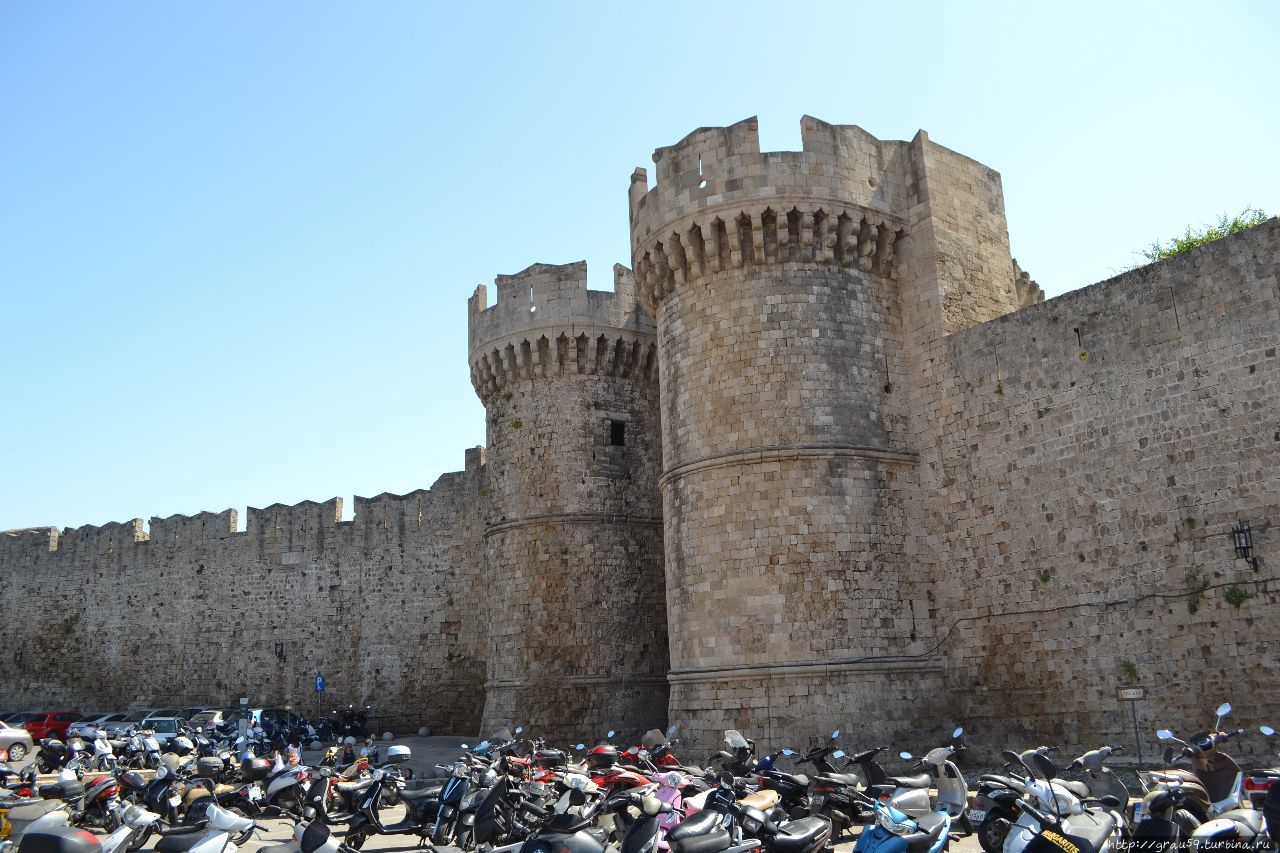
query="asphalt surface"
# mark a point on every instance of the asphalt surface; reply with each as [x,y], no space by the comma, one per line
[427,752]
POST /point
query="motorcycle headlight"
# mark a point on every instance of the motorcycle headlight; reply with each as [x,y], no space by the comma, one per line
[887,822]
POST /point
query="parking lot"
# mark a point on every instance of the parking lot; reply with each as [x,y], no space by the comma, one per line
[427,752]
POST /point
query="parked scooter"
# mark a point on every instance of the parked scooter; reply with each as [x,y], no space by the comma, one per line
[213,837]
[953,792]
[1054,809]
[895,831]
[431,812]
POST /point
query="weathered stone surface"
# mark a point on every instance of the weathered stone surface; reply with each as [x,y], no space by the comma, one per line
[879,482]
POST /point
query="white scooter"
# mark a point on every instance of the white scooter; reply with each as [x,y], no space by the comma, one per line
[287,786]
[314,837]
[953,792]
[213,837]
[1055,808]
[104,755]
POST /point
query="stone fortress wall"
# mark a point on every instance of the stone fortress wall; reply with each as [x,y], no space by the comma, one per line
[825,460]
[194,612]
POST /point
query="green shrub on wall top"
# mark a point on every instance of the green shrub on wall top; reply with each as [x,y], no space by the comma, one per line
[1227,224]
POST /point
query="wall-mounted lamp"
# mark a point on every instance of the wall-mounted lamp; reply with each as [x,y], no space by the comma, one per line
[17,655]
[279,651]
[1242,539]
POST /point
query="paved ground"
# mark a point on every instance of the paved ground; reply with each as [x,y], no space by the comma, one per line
[427,752]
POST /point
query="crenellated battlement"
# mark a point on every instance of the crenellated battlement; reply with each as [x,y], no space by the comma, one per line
[277,521]
[547,323]
[721,203]
[201,526]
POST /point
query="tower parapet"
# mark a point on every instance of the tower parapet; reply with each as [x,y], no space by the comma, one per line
[546,323]
[720,203]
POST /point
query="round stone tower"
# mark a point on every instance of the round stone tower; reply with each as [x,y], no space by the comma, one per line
[573,541]
[787,343]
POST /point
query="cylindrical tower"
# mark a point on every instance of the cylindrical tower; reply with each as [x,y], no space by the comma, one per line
[788,471]
[573,541]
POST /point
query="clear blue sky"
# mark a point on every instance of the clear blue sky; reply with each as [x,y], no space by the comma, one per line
[237,238]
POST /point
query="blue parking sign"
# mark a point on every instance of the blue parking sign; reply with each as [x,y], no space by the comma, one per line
[319,683]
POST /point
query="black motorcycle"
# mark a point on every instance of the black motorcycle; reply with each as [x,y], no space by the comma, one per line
[432,811]
[56,755]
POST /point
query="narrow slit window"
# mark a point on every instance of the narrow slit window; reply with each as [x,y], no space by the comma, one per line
[618,433]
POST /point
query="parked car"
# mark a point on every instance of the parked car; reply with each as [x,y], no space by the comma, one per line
[45,724]
[188,713]
[164,727]
[119,727]
[163,712]
[87,726]
[16,718]
[16,741]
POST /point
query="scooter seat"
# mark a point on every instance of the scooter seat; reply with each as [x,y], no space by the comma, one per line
[1249,817]
[920,780]
[794,778]
[997,779]
[929,830]
[180,842]
[808,833]
[700,824]
[351,787]
[1080,789]
[764,799]
[567,824]
[1094,826]
[711,842]
[421,787]
[841,778]
[32,810]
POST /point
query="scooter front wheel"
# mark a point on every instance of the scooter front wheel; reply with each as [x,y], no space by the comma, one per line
[139,839]
[992,832]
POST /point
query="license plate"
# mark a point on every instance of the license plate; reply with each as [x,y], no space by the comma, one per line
[1137,811]
[817,801]
[174,800]
[255,793]
[977,816]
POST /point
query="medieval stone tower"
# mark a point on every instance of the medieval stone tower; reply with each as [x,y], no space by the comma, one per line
[573,540]
[796,295]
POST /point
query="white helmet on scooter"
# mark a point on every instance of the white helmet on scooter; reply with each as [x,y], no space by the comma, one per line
[350,741]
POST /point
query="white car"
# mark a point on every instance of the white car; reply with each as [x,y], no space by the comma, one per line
[88,725]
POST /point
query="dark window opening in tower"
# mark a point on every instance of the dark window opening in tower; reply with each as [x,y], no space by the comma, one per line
[618,433]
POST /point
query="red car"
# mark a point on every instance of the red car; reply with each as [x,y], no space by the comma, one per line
[45,724]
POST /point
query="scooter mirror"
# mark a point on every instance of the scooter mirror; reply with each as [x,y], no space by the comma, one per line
[1164,734]
[1012,757]
[464,746]
[835,734]
[651,805]
[839,753]
[609,733]
[726,779]
[905,756]
[1267,730]
[957,734]
[519,729]
[1223,709]
[580,747]
[671,730]
[788,752]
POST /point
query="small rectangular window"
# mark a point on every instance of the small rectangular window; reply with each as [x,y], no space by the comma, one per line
[618,433]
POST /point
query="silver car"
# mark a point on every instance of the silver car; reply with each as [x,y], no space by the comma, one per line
[17,741]
[87,726]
